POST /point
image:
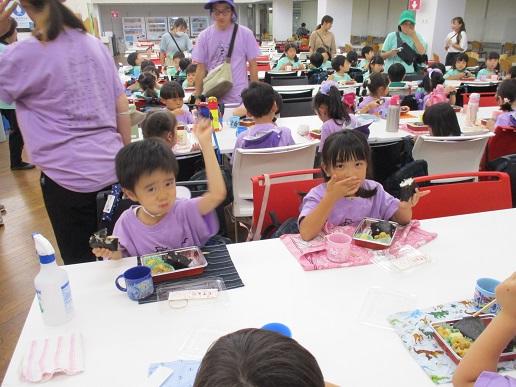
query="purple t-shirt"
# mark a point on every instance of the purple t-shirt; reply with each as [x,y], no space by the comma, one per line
[65,93]
[350,211]
[493,379]
[506,119]
[256,130]
[186,117]
[383,109]
[211,50]
[183,226]
[331,126]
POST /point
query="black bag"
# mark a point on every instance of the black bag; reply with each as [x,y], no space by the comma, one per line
[407,54]
[506,164]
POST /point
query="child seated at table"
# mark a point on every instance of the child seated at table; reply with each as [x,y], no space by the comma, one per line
[162,124]
[375,67]
[289,58]
[258,358]
[317,74]
[432,89]
[172,96]
[260,102]
[191,70]
[326,57]
[148,85]
[396,74]
[367,54]
[135,59]
[348,196]
[506,98]
[377,101]
[341,65]
[478,367]
[174,70]
[491,66]
[332,111]
[442,120]
[147,172]
[352,58]
[458,70]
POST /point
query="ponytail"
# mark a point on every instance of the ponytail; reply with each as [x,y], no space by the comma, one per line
[330,97]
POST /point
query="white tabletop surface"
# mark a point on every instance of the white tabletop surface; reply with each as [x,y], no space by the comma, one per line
[322,308]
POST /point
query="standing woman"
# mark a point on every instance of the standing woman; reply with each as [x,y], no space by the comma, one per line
[322,37]
[456,41]
[175,40]
[73,126]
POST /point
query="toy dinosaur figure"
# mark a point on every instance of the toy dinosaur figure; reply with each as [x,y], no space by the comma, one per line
[429,354]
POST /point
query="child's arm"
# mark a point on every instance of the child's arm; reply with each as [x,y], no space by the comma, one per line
[216,186]
[485,351]
[106,253]
[404,214]
[312,224]
[370,106]
[123,119]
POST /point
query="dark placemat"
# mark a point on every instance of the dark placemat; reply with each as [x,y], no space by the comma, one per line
[219,265]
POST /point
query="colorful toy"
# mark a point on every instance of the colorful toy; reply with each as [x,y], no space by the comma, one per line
[213,106]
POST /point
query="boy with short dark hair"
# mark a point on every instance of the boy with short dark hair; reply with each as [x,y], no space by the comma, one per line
[190,76]
[317,74]
[367,54]
[396,74]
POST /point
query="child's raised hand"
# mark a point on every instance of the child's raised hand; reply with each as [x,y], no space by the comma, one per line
[106,253]
[203,130]
[506,296]
[339,189]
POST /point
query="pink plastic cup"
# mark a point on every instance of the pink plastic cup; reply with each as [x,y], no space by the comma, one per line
[337,247]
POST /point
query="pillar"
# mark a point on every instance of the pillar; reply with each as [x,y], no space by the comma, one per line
[282,11]
[341,12]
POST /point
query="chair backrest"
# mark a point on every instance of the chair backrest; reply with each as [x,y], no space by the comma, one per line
[297,107]
[254,162]
[283,199]
[450,154]
[488,191]
[288,74]
[502,144]
[288,81]
[389,157]
[486,99]
[306,93]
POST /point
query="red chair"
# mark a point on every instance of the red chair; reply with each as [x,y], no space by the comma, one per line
[502,144]
[491,192]
[486,99]
[281,194]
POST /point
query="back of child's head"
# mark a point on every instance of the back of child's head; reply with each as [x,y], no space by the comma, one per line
[143,158]
[433,77]
[376,81]
[147,82]
[366,50]
[461,57]
[171,90]
[258,99]
[145,63]
[442,120]
[507,93]
[151,69]
[178,55]
[377,59]
[191,69]
[329,96]
[337,62]
[258,358]
[158,123]
[322,50]
[438,65]
[316,59]
[131,58]
[183,63]
[352,58]
[396,72]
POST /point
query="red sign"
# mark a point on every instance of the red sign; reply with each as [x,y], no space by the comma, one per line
[115,14]
[414,5]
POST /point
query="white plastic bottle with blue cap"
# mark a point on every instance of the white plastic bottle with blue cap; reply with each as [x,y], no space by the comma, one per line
[52,285]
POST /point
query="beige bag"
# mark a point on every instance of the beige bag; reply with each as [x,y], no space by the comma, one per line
[220,80]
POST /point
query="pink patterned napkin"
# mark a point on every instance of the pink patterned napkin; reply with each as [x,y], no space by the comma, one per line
[311,255]
[46,357]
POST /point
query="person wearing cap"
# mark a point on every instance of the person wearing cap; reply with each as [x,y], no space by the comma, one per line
[212,47]
[407,33]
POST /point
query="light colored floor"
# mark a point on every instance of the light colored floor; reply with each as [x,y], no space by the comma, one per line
[21,195]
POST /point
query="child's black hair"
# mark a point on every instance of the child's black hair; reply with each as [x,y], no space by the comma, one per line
[492,55]
[512,72]
[145,63]
[337,62]
[347,145]
[131,58]
[147,82]
[442,120]
[376,81]
[507,90]
[461,57]
[257,357]
[178,54]
[377,59]
[316,59]
[258,99]
[279,102]
[336,109]
[192,68]
[184,63]
[322,50]
[158,123]
[430,81]
[352,58]
[288,46]
[151,69]
[171,90]
[366,50]
[396,72]
[142,158]
[438,65]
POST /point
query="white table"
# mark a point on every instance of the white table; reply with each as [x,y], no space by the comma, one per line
[322,308]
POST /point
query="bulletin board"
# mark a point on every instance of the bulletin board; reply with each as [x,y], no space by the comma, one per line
[198,24]
[156,27]
[134,29]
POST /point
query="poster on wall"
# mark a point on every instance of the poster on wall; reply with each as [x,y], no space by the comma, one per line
[156,27]
[171,21]
[23,20]
[134,29]
[198,24]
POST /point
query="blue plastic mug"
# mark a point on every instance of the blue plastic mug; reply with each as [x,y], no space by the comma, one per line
[138,282]
[485,293]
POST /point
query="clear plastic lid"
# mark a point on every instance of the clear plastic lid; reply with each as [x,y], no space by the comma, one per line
[192,293]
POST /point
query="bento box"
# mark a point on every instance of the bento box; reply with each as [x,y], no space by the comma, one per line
[173,264]
[455,351]
[418,127]
[375,234]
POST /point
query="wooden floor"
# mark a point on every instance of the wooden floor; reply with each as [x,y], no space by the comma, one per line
[21,194]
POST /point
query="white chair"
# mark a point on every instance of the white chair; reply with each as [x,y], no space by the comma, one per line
[254,162]
[451,154]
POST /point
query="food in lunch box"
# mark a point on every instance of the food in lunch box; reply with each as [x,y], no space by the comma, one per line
[459,343]
[382,229]
[407,189]
[177,260]
[101,240]
[315,133]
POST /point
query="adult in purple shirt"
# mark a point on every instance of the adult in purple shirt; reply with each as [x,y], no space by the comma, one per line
[212,47]
[73,114]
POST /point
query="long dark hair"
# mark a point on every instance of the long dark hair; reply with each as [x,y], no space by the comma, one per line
[461,57]
[325,19]
[60,17]
[507,89]
[459,20]
[336,109]
[442,120]
[12,28]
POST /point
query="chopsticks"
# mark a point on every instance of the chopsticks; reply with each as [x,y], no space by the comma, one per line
[486,306]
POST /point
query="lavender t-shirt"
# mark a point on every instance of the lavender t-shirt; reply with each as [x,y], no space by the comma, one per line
[493,379]
[211,50]
[186,117]
[331,126]
[183,226]
[383,109]
[65,92]
[350,211]
[256,130]
[506,119]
